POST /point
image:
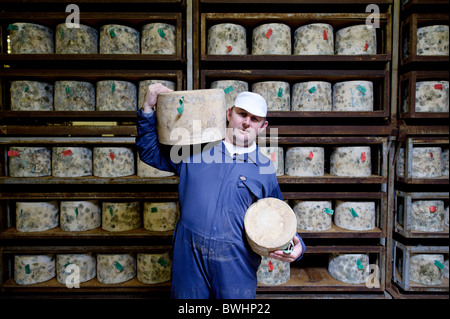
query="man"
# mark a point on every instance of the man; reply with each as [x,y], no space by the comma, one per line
[211,258]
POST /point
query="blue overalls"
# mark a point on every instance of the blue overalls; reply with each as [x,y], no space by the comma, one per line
[211,258]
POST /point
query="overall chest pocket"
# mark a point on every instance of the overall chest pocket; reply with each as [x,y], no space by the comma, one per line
[253,186]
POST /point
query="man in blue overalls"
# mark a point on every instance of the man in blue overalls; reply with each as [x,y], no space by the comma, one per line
[211,258]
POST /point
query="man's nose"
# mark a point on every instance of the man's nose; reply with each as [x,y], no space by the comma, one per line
[247,120]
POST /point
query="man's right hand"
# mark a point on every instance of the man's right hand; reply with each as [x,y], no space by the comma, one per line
[152,96]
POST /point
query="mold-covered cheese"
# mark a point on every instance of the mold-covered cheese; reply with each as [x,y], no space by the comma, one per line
[355,215]
[71,161]
[118,217]
[27,161]
[191,117]
[356,40]
[36,216]
[160,216]
[353,96]
[80,215]
[314,39]
[80,40]
[227,39]
[446,216]
[31,96]
[158,38]
[115,268]
[426,162]
[271,39]
[33,269]
[445,161]
[75,268]
[352,161]
[423,269]
[432,40]
[115,95]
[311,96]
[431,96]
[74,96]
[273,271]
[276,156]
[154,268]
[305,161]
[445,271]
[427,215]
[313,215]
[349,268]
[231,88]
[145,170]
[119,39]
[30,38]
[143,88]
[113,161]
[276,93]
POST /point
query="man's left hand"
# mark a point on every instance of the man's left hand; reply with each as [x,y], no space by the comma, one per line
[293,256]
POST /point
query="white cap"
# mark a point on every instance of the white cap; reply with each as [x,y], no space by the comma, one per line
[252,103]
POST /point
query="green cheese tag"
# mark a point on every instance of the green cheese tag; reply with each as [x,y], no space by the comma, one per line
[328,211]
[26,88]
[118,266]
[161,33]
[312,90]
[354,214]
[180,109]
[67,90]
[361,89]
[111,211]
[112,33]
[13,27]
[228,89]
[61,34]
[438,264]
[162,262]
[280,92]
[76,212]
[113,87]
[27,269]
[359,264]
[154,209]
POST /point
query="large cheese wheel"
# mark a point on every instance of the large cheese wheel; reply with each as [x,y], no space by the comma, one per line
[27,161]
[445,161]
[191,117]
[311,96]
[427,215]
[80,40]
[71,161]
[271,39]
[154,268]
[356,40]
[423,269]
[74,96]
[432,40]
[33,269]
[118,217]
[115,95]
[115,268]
[36,216]
[352,161]
[355,215]
[305,161]
[276,156]
[227,39]
[119,39]
[145,170]
[426,162]
[143,88]
[276,93]
[30,38]
[160,216]
[231,88]
[158,38]
[31,96]
[314,39]
[80,215]
[273,271]
[431,96]
[349,268]
[113,161]
[353,96]
[313,215]
[72,269]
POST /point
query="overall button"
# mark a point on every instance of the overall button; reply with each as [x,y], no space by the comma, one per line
[243,178]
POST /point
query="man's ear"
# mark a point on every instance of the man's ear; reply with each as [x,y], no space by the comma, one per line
[228,114]
[263,127]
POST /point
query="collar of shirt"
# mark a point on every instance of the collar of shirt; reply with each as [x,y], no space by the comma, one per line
[241,152]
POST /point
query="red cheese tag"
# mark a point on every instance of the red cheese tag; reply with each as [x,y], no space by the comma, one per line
[229,48]
[272,157]
[112,156]
[431,155]
[268,33]
[366,46]
[270,266]
[438,86]
[433,209]
[325,35]
[67,152]
[363,156]
[13,153]
[310,155]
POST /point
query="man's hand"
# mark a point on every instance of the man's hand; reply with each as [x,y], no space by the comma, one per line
[293,256]
[152,96]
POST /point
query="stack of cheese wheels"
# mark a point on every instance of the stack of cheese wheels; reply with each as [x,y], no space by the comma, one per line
[33,269]
[431,96]
[143,88]
[427,215]
[154,268]
[145,170]
[353,96]
[349,268]
[118,217]
[227,39]
[276,156]
[273,271]
[74,96]
[426,162]
[36,216]
[445,161]
[305,161]
[27,161]
[313,215]
[311,96]
[113,95]
[113,161]
[231,88]
[270,224]
[356,40]
[158,38]
[271,39]
[31,96]
[71,161]
[432,40]
[73,269]
[119,39]
[80,215]
[276,93]
[191,117]
[424,269]
[314,39]
[29,38]
[160,216]
[115,268]
[352,161]
[355,215]
[80,40]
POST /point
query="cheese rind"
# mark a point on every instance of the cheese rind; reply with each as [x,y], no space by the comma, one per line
[117,217]
[71,161]
[312,96]
[30,38]
[36,216]
[227,39]
[160,216]
[423,270]
[113,161]
[276,156]
[344,267]
[115,268]
[31,96]
[80,215]
[426,162]
[145,170]
[445,161]
[433,40]
[271,39]
[305,161]
[74,96]
[276,93]
[356,40]
[154,268]
[273,271]
[312,215]
[432,96]
[352,96]
[33,269]
[355,215]
[75,268]
[352,161]
[31,161]
[113,95]
[231,88]
[158,38]
[427,215]
[80,40]
[314,39]
[119,39]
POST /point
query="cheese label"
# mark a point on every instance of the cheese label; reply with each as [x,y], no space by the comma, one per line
[162,262]
[13,153]
[180,109]
[154,209]
[27,269]
[228,89]
[13,27]
[438,86]
[433,209]
[67,90]
[61,34]
[67,152]
[229,48]
[312,90]
[359,264]
[118,266]
[269,33]
[361,89]
[113,87]
[310,155]
[366,46]
[112,33]
[363,156]
[353,212]
[325,35]
[328,211]
[439,264]
[26,89]
[270,266]
[112,156]
[161,33]
[431,155]
[76,211]
[280,92]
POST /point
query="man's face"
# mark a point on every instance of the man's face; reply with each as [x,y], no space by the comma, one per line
[243,127]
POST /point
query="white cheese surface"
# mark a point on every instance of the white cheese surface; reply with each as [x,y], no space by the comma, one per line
[31,96]
[118,217]
[160,216]
[314,39]
[276,93]
[80,40]
[273,271]
[113,161]
[71,161]
[312,96]
[355,215]
[352,96]
[36,216]
[356,40]
[312,215]
[433,40]
[29,161]
[80,215]
[74,96]
[66,268]
[33,269]
[227,39]
[115,268]
[30,38]
[158,38]
[352,161]
[119,39]
[423,270]
[271,39]
[344,267]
